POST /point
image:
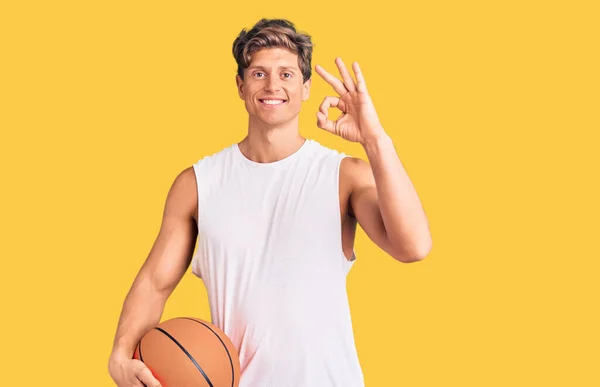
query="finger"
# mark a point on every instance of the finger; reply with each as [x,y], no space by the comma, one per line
[360,80]
[146,377]
[137,383]
[324,123]
[337,85]
[348,81]
[329,102]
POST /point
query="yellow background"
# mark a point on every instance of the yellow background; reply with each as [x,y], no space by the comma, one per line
[494,110]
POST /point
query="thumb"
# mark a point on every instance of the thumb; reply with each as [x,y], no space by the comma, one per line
[324,123]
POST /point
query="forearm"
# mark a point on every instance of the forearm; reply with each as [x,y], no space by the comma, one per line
[142,310]
[405,221]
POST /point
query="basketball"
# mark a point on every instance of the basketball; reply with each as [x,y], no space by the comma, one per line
[187,351]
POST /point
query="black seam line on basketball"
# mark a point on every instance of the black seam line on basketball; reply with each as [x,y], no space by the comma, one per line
[140,351]
[224,346]
[187,354]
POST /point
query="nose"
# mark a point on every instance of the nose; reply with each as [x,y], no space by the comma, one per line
[272,84]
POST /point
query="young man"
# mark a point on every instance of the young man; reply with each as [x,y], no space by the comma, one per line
[276,216]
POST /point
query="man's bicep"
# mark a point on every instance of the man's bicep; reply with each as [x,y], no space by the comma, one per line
[364,203]
[172,251]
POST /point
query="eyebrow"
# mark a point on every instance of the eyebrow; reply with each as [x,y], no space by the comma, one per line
[279,68]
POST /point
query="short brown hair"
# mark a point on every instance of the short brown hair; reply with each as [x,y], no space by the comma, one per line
[272,33]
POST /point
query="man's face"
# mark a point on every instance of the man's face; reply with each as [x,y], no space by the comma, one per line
[272,88]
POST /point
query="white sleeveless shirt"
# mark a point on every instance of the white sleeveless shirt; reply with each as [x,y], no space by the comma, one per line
[270,255]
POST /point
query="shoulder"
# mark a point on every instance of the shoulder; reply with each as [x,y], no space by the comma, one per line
[185,178]
[356,172]
[216,157]
[351,168]
[182,196]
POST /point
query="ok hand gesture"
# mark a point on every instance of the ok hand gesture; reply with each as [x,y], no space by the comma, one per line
[359,121]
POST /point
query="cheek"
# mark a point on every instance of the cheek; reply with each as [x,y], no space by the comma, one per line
[297,94]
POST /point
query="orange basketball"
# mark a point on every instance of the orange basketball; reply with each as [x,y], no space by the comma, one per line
[187,351]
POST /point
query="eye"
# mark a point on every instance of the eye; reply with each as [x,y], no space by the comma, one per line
[290,75]
[258,72]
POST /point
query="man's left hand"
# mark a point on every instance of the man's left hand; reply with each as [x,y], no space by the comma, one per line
[359,121]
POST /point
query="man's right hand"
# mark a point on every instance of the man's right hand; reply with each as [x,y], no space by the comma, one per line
[127,372]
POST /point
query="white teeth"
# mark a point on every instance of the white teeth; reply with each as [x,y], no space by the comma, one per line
[272,101]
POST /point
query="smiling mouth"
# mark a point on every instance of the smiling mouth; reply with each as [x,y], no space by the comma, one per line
[272,102]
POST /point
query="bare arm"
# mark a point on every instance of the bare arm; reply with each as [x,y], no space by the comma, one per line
[386,204]
[383,198]
[164,267]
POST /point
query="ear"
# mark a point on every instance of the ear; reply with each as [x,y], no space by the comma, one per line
[240,86]
[306,90]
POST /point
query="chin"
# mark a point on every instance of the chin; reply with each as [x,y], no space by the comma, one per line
[275,120]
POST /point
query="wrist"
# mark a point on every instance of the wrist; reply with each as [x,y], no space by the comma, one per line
[376,141]
[117,357]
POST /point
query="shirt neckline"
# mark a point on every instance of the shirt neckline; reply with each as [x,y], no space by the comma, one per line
[273,164]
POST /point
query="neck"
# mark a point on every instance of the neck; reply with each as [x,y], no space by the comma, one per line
[267,144]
